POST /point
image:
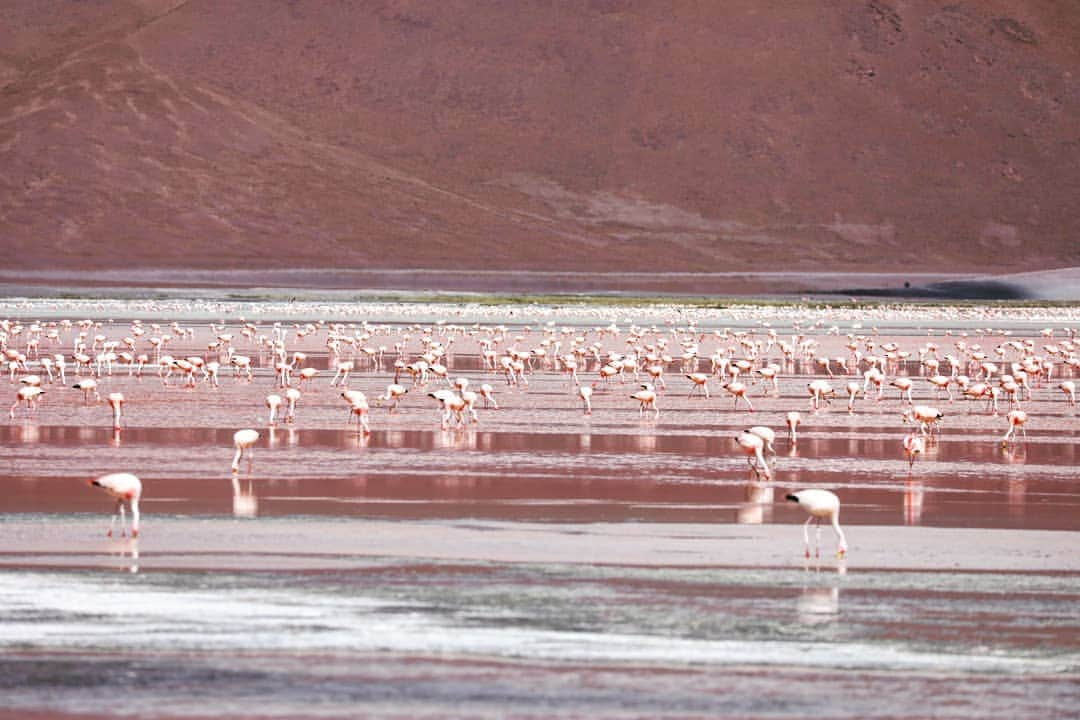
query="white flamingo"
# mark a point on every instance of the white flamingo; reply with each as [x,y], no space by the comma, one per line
[820,504]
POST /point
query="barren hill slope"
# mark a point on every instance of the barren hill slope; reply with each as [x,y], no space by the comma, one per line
[595,136]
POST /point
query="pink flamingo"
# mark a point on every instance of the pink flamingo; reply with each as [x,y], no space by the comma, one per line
[273,401]
[941,382]
[358,406]
[820,392]
[853,389]
[1017,420]
[646,398]
[820,504]
[488,393]
[585,393]
[1069,388]
[89,385]
[30,395]
[243,440]
[753,445]
[767,435]
[738,390]
[927,417]
[394,393]
[116,402]
[126,488]
[793,419]
[903,384]
[914,445]
[700,381]
[292,396]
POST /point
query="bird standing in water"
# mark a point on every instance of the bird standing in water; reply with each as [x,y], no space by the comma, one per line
[821,505]
[126,488]
[243,440]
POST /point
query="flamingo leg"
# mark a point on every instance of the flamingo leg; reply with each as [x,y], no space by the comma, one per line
[806,534]
[112,522]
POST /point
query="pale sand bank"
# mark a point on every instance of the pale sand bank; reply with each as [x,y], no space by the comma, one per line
[310,544]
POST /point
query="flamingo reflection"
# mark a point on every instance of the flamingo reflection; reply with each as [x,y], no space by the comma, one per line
[913,502]
[758,506]
[245,504]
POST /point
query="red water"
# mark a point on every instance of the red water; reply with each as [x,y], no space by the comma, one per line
[539,457]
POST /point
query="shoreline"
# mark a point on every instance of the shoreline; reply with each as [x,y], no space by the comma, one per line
[310,544]
[1061,284]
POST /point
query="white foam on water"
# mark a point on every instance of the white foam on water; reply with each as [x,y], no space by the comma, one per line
[47,611]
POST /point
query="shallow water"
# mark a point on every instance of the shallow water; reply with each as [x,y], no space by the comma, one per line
[422,637]
[538,640]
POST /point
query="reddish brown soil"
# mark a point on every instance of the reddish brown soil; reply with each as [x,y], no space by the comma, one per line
[595,136]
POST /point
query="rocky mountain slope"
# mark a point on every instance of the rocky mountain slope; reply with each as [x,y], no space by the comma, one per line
[586,135]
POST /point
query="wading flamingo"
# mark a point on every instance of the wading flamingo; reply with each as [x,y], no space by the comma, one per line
[488,393]
[89,385]
[126,488]
[358,406]
[914,445]
[927,417]
[699,380]
[1017,420]
[273,401]
[292,396]
[793,419]
[820,392]
[853,389]
[941,382]
[116,402]
[752,445]
[30,395]
[243,440]
[585,393]
[394,393]
[738,390]
[767,435]
[1069,388]
[820,504]
[646,398]
[903,384]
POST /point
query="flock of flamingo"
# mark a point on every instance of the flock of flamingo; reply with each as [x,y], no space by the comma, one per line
[41,354]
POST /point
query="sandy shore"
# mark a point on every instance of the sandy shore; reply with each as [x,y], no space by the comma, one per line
[316,544]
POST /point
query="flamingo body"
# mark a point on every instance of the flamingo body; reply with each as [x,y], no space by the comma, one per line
[820,505]
[126,489]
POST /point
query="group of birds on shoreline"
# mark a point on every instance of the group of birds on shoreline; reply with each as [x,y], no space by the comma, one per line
[740,356]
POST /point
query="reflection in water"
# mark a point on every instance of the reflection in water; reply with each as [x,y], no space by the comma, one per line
[127,551]
[28,433]
[456,439]
[758,506]
[817,605]
[1014,454]
[913,501]
[646,443]
[1017,489]
[245,504]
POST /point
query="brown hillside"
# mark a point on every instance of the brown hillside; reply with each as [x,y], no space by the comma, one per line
[606,135]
